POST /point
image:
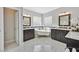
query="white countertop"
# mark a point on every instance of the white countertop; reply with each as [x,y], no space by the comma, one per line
[27,28]
[50,28]
[73,35]
[61,29]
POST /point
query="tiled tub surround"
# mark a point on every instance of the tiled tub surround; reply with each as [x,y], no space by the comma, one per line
[40,30]
[43,31]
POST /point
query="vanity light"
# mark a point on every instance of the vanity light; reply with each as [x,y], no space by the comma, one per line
[27,15]
[64,13]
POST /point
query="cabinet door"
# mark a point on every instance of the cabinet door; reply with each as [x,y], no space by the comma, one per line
[53,34]
[63,34]
[28,34]
[57,35]
[72,43]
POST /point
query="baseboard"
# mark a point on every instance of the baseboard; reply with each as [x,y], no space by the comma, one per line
[9,41]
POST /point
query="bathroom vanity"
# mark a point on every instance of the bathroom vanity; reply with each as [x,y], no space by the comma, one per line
[28,34]
[59,34]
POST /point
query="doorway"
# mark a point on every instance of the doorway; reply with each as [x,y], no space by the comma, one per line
[10,32]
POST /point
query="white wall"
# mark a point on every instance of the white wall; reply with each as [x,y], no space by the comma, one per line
[25,11]
[1,30]
[16,27]
[34,16]
[20,25]
[55,13]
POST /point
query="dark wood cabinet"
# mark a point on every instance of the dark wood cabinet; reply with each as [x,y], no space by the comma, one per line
[28,34]
[72,43]
[72,40]
[59,35]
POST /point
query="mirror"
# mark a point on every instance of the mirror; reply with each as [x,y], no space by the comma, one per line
[27,21]
[64,20]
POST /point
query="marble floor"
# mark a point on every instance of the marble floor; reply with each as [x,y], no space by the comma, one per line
[9,46]
[40,44]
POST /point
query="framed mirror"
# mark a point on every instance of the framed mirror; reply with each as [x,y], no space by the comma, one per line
[26,21]
[64,20]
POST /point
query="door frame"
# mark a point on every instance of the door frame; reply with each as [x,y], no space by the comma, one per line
[16,25]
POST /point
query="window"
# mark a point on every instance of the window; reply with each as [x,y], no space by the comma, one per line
[36,20]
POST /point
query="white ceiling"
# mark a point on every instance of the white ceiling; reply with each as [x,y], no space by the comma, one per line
[41,10]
